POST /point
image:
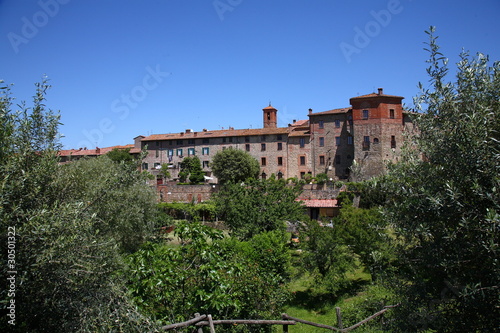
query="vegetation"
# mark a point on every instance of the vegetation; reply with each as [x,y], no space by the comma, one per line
[209,274]
[258,206]
[444,201]
[71,224]
[81,243]
[191,168]
[234,166]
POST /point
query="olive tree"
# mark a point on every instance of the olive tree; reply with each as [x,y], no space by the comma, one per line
[444,200]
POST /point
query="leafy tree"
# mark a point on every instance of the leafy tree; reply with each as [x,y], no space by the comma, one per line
[234,165]
[258,206]
[164,171]
[191,168]
[66,255]
[208,274]
[119,155]
[446,205]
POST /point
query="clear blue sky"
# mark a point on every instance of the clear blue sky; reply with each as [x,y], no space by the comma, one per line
[119,69]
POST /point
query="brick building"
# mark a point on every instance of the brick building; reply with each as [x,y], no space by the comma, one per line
[370,131]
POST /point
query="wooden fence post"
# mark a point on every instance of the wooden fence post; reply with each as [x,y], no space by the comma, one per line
[339,318]
[200,329]
[211,324]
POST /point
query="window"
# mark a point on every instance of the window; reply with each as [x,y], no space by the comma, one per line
[337,140]
[247,139]
[280,160]
[280,175]
[191,141]
[206,164]
[322,160]
[190,151]
[144,166]
[366,143]
[224,140]
[393,141]
[263,147]
[279,137]
[263,161]
[247,147]
[179,152]
[391,113]
[321,141]
[375,140]
[230,139]
[157,143]
[302,142]
[157,153]
[170,152]
[205,151]
[337,123]
[263,138]
[302,175]
[337,159]
[321,124]
[302,160]
[206,140]
[365,114]
[263,175]
[180,142]
[280,146]
[157,165]
[349,140]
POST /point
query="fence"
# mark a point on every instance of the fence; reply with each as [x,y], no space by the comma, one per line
[206,320]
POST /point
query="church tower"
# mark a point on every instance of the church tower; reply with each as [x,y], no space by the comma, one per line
[270,117]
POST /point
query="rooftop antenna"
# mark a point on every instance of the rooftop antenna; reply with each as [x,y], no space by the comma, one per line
[269,102]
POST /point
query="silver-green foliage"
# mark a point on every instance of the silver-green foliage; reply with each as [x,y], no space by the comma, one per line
[444,200]
[71,225]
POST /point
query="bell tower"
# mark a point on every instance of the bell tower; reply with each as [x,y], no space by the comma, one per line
[270,117]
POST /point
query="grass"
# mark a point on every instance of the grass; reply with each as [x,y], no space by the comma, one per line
[311,303]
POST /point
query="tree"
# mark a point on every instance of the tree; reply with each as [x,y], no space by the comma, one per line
[63,243]
[444,200]
[259,206]
[234,165]
[164,171]
[119,155]
[209,274]
[191,168]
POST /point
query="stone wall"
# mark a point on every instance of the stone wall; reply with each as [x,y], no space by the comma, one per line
[172,192]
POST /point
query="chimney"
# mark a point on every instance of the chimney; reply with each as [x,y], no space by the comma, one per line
[188,131]
[380,91]
[205,130]
[97,150]
[310,111]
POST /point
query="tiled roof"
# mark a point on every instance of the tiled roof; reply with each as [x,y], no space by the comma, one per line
[317,203]
[270,107]
[218,133]
[91,152]
[334,111]
[376,95]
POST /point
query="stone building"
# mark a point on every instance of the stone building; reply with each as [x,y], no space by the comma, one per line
[369,132]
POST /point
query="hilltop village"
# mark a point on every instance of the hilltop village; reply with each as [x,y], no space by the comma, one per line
[369,133]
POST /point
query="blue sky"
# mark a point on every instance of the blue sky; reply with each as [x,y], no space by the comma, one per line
[119,69]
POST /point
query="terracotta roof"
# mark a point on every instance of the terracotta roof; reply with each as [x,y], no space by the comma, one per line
[91,152]
[317,203]
[334,111]
[304,122]
[270,107]
[376,95]
[217,133]
[299,132]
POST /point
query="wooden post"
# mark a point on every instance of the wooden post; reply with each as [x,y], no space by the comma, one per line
[200,329]
[339,318]
[211,324]
[285,328]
